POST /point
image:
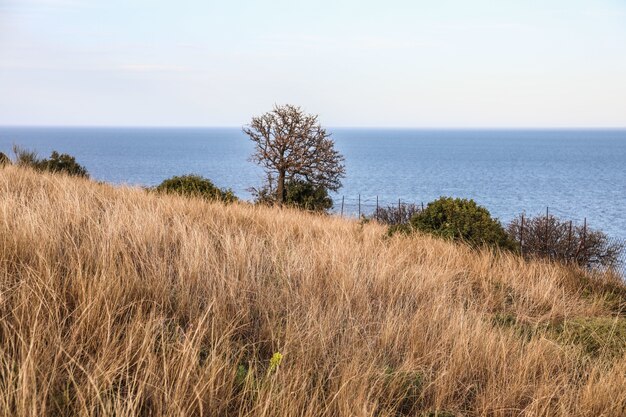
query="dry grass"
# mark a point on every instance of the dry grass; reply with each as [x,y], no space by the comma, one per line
[117,302]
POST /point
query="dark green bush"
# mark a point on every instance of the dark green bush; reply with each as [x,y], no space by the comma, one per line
[63,163]
[462,220]
[304,195]
[299,194]
[195,186]
[57,162]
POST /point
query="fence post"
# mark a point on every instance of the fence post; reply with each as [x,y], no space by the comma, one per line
[376,208]
[342,201]
[521,236]
[422,206]
[399,212]
[585,239]
[569,241]
[359,206]
[546,235]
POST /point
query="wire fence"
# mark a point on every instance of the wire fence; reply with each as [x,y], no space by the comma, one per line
[544,236]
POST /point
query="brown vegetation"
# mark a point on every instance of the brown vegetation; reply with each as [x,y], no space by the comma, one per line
[114,301]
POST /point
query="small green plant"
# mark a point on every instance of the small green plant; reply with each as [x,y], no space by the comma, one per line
[275,361]
[462,220]
[195,186]
[241,375]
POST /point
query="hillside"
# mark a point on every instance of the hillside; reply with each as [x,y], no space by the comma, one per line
[114,301]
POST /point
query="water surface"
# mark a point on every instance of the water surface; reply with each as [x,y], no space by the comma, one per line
[577,173]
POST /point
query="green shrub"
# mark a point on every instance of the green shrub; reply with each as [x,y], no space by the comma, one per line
[462,220]
[195,186]
[63,163]
[298,193]
[304,195]
[57,162]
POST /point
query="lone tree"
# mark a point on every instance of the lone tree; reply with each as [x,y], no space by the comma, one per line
[293,147]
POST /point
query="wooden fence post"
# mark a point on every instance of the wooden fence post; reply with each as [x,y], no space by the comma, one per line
[376,208]
[546,235]
[342,201]
[521,236]
[569,241]
[585,239]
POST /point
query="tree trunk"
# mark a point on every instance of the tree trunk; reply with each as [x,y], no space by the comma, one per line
[280,189]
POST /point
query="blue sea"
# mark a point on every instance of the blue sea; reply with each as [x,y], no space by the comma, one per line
[576,173]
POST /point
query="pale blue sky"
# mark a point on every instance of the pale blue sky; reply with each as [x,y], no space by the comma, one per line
[444,63]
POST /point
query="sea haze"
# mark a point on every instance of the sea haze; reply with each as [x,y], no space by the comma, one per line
[577,173]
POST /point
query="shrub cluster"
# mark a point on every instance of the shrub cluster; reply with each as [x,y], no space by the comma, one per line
[195,186]
[396,214]
[550,237]
[299,194]
[460,220]
[57,162]
[535,237]
[307,196]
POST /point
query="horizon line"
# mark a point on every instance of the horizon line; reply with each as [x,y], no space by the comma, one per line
[356,127]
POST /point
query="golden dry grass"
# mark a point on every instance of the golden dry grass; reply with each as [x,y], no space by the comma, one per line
[118,302]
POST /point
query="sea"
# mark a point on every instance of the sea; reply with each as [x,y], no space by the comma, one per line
[574,174]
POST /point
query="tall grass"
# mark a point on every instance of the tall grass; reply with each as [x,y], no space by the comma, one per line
[114,301]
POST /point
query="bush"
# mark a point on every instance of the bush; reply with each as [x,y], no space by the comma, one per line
[299,194]
[4,160]
[57,162]
[195,186]
[550,237]
[462,220]
[306,196]
[396,214]
[25,157]
[63,163]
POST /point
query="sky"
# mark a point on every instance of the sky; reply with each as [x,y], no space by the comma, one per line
[358,63]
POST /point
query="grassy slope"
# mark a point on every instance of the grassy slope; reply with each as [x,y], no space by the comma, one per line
[117,302]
